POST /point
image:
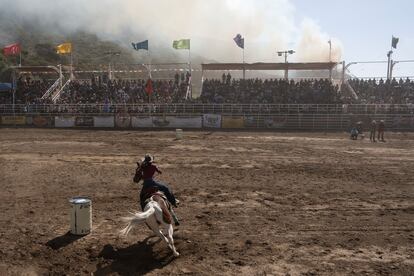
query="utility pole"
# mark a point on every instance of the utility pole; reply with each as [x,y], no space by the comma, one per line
[389,55]
[330,58]
[393,63]
[285,54]
[111,54]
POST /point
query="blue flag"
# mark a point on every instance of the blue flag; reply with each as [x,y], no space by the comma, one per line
[239,41]
[140,45]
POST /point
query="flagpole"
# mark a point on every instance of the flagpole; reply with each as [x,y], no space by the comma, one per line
[71,65]
[150,74]
[244,69]
[190,85]
[14,90]
[389,62]
[189,59]
[149,63]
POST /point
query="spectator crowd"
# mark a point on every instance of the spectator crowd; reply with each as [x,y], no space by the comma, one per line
[384,92]
[214,91]
[274,91]
[29,91]
[126,91]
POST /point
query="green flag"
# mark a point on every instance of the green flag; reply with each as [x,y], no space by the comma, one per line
[183,44]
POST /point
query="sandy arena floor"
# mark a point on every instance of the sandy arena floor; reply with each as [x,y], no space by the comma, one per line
[252,203]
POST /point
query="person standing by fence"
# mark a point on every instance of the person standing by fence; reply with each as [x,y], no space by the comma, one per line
[373,131]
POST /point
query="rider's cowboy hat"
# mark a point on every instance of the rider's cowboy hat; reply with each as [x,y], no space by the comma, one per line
[148,158]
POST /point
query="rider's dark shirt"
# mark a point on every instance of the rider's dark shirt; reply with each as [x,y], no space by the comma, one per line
[149,171]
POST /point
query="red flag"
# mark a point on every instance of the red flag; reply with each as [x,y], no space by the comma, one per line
[12,50]
[148,87]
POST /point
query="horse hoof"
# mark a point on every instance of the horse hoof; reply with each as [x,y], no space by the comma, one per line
[176,254]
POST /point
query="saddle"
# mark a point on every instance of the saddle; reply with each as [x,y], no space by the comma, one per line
[162,201]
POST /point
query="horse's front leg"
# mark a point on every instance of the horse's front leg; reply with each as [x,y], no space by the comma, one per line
[170,232]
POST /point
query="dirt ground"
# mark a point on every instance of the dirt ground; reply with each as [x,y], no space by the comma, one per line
[252,203]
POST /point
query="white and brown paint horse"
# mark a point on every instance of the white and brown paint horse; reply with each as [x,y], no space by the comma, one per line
[155,215]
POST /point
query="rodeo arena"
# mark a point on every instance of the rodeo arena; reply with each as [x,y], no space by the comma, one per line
[206,169]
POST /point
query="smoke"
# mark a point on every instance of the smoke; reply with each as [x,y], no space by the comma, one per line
[267,25]
[314,45]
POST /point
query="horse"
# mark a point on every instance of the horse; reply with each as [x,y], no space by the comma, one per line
[156,216]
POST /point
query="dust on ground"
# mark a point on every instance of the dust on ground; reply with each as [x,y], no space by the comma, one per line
[252,203]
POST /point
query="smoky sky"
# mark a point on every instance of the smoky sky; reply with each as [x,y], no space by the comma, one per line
[267,25]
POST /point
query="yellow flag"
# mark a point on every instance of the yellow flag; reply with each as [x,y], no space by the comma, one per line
[65,48]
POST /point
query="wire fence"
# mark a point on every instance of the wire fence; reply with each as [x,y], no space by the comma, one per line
[185,109]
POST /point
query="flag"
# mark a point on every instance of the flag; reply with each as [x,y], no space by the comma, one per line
[239,41]
[394,42]
[140,45]
[183,44]
[12,49]
[148,87]
[65,48]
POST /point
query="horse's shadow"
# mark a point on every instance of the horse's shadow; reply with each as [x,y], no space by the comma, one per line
[137,259]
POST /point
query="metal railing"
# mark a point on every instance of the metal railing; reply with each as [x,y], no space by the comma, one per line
[224,109]
[56,96]
[51,89]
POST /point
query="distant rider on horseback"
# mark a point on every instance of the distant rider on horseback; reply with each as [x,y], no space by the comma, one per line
[146,172]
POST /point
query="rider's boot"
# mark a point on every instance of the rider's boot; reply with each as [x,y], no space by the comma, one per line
[174,216]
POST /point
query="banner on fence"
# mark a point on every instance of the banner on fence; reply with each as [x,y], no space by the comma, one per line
[184,122]
[232,122]
[275,121]
[212,121]
[166,122]
[40,121]
[271,122]
[29,120]
[141,122]
[84,121]
[63,121]
[251,121]
[123,121]
[104,121]
[161,122]
[13,120]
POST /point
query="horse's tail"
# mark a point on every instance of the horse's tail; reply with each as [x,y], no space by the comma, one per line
[136,219]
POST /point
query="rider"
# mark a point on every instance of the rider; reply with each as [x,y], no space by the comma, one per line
[150,185]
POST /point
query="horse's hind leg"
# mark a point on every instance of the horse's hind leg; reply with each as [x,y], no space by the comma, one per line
[170,232]
[157,231]
[153,225]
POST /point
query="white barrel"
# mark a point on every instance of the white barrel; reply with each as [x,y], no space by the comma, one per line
[81,216]
[179,134]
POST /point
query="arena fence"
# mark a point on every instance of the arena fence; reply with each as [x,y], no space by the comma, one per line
[224,109]
[198,116]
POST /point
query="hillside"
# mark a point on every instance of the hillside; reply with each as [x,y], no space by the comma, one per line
[38,47]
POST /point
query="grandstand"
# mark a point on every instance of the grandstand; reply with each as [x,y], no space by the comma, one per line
[306,104]
[126,85]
